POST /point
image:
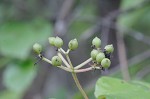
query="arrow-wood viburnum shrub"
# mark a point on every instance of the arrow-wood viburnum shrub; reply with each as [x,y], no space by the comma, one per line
[100,59]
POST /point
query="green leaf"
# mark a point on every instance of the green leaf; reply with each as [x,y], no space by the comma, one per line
[17,38]
[112,88]
[18,78]
[125,4]
[143,84]
[133,17]
[9,95]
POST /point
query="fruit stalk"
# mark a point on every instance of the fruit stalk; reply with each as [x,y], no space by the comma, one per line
[76,79]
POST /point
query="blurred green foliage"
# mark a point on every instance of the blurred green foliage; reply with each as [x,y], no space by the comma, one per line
[20,75]
[16,40]
[112,88]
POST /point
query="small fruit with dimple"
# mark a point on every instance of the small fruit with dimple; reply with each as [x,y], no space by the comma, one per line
[105,63]
[37,48]
[56,61]
[96,42]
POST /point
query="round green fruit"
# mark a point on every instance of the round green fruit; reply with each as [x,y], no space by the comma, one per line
[105,63]
[109,48]
[94,53]
[58,42]
[51,40]
[73,44]
[96,42]
[100,57]
[56,61]
[37,48]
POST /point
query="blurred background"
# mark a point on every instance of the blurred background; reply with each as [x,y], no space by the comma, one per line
[123,23]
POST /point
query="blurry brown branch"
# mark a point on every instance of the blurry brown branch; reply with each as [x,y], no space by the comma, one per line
[138,36]
[143,72]
[107,21]
[61,21]
[133,33]
[116,13]
[122,56]
[134,60]
[139,58]
[65,9]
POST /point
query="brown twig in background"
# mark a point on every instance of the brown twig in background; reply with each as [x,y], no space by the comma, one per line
[139,58]
[133,33]
[143,72]
[65,9]
[122,56]
[60,27]
[116,13]
[106,21]
[90,31]
[134,60]
[138,36]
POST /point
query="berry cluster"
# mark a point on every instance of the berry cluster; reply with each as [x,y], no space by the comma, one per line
[99,58]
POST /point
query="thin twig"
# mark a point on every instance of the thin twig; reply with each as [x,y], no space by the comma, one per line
[86,69]
[79,70]
[133,33]
[68,51]
[79,86]
[70,63]
[63,59]
[122,57]
[61,50]
[69,69]
[142,72]
[83,64]
[61,22]
[134,60]
[76,79]
[46,60]
[65,9]
[65,68]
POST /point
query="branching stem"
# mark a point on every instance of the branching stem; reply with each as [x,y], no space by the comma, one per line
[76,79]
[69,69]
[46,60]
[63,59]
[83,64]
[61,50]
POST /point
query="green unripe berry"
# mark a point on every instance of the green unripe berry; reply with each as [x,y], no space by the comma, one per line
[51,40]
[109,48]
[96,42]
[56,61]
[37,48]
[105,63]
[94,54]
[73,44]
[100,57]
[58,42]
